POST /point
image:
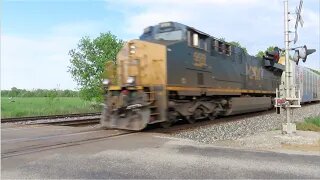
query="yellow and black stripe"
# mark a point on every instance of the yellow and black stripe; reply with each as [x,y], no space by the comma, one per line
[218,90]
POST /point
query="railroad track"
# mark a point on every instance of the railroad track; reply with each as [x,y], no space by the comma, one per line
[51,117]
[77,122]
[60,141]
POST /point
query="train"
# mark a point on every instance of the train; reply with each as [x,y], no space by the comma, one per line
[308,84]
[175,72]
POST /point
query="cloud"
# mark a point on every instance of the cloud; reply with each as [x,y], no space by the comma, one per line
[256,24]
[205,13]
[227,18]
[89,28]
[41,61]
[311,19]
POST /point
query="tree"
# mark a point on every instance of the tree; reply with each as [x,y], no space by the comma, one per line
[270,48]
[234,43]
[88,63]
[261,53]
[14,92]
[222,39]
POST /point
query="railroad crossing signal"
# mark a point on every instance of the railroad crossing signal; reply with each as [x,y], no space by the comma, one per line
[272,56]
[302,53]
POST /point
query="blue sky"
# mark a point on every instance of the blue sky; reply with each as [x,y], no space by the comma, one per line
[38,18]
[37,35]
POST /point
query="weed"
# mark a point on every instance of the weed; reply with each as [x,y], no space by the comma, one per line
[310,124]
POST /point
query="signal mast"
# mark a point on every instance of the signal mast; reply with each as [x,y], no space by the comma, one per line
[288,95]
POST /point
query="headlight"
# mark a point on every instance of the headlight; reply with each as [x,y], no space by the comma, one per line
[131,80]
[106,82]
[132,49]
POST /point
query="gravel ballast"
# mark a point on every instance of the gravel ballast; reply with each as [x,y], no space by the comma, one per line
[246,126]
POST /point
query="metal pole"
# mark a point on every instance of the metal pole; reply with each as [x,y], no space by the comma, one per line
[287,80]
[288,68]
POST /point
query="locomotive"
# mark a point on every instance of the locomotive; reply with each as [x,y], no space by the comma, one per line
[175,72]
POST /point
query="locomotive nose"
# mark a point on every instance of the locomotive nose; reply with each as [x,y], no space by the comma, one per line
[132,104]
[141,63]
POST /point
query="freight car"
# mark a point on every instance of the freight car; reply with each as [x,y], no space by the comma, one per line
[308,83]
[176,72]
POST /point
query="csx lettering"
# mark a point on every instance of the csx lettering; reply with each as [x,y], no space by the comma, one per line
[254,73]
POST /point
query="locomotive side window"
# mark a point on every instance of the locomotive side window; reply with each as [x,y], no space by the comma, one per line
[193,39]
[197,40]
[220,47]
[189,38]
[216,45]
[202,43]
[228,49]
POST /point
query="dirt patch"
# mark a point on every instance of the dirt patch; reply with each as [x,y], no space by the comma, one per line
[302,142]
[302,147]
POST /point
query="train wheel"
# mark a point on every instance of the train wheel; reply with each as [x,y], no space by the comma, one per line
[198,114]
[172,116]
[166,124]
[212,117]
[191,119]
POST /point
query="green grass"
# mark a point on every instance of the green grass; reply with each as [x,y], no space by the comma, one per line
[310,124]
[37,106]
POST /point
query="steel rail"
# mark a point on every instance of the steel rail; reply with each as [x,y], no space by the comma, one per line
[77,122]
[149,129]
[45,147]
[35,118]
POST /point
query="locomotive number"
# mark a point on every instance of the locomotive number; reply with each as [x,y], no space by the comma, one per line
[199,59]
[254,72]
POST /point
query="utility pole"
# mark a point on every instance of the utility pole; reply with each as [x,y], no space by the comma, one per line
[289,84]
[287,61]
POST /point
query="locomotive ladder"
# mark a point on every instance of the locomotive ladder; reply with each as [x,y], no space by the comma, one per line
[154,116]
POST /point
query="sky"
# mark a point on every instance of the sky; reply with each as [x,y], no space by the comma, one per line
[36,36]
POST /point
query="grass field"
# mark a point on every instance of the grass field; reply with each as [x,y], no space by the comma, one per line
[310,124]
[36,106]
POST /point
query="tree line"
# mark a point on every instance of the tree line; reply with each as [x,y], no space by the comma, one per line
[15,92]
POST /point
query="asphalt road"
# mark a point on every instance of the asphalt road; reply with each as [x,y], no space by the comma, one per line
[141,155]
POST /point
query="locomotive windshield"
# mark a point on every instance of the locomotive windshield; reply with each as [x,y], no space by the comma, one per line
[167,31]
[170,36]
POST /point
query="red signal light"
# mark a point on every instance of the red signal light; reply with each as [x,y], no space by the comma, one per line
[276,57]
